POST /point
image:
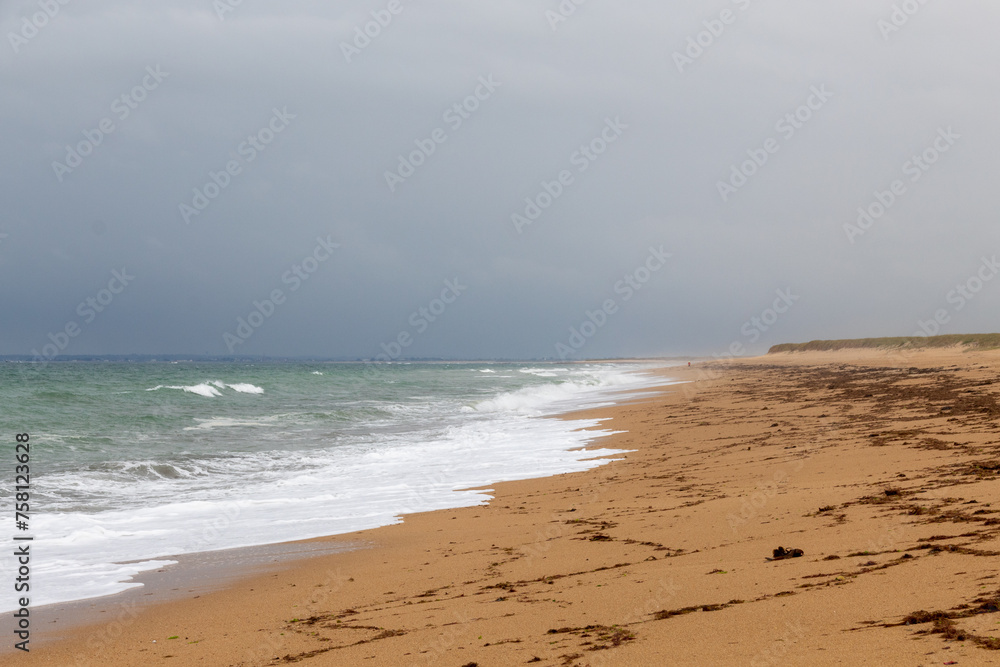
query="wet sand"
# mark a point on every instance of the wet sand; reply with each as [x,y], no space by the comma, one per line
[189,577]
[880,468]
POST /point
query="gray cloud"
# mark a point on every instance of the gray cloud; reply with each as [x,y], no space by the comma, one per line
[324,174]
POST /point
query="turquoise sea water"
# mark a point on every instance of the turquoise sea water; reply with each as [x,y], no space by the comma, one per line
[134,462]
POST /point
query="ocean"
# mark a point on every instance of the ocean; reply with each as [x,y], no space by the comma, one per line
[131,463]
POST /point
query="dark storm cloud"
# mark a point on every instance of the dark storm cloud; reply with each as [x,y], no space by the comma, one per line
[533,152]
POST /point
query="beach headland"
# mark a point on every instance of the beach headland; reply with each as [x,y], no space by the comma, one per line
[877,463]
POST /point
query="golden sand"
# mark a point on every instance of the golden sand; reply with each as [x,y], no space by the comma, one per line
[879,468]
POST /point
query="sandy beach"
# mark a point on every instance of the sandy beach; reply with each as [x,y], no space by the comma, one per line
[879,468]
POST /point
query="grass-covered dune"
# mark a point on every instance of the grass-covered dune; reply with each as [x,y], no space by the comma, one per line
[979,341]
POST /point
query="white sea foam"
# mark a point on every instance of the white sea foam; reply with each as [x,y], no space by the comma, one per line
[229,422]
[211,389]
[544,372]
[585,390]
[203,389]
[245,388]
[197,502]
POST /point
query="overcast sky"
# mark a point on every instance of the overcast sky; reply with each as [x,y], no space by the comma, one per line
[621,122]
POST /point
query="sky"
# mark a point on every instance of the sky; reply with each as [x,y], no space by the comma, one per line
[494,179]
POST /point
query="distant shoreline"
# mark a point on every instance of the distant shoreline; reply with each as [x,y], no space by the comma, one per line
[181,358]
[987,341]
[972,341]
